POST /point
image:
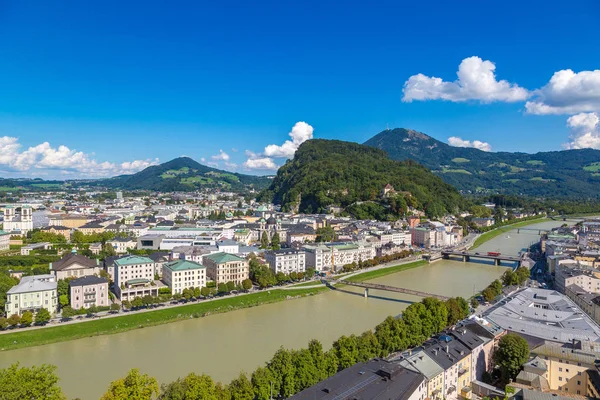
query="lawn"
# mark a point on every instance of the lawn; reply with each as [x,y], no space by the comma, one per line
[499,231]
[309,283]
[385,271]
[137,320]
[460,160]
[535,162]
[540,179]
[593,167]
[455,171]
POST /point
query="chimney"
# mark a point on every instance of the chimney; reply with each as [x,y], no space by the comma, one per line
[447,347]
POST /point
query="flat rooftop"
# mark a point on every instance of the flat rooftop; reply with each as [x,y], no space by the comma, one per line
[545,314]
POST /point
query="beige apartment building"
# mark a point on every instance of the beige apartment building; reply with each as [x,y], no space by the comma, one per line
[225,267]
[89,291]
[183,274]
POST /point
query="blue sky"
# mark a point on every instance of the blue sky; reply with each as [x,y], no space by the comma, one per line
[114,86]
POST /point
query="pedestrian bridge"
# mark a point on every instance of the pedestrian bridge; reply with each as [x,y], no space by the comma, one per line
[375,286]
[467,255]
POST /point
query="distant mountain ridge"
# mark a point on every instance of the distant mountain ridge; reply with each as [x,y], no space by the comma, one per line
[183,174]
[555,174]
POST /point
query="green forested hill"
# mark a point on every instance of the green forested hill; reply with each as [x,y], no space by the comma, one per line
[332,172]
[183,174]
[556,174]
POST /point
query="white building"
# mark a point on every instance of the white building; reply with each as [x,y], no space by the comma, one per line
[286,260]
[31,294]
[182,274]
[121,245]
[19,223]
[4,240]
[134,277]
[318,257]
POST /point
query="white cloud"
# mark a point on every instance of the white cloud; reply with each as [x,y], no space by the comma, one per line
[221,156]
[476,81]
[585,131]
[264,163]
[213,164]
[477,144]
[567,92]
[234,149]
[231,166]
[35,159]
[301,132]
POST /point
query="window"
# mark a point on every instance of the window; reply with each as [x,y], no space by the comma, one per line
[560,378]
[559,369]
[578,383]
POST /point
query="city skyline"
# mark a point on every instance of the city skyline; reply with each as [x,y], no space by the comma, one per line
[96,91]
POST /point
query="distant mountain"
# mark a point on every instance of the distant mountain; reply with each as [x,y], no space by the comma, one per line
[556,174]
[332,172]
[183,174]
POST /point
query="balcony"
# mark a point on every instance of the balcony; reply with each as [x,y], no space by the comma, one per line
[462,371]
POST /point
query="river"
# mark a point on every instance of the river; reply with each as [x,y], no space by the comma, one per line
[223,345]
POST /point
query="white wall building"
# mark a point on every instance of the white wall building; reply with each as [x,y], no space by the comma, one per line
[286,260]
[20,223]
[182,274]
[31,294]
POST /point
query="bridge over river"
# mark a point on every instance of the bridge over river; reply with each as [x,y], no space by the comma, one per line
[376,286]
[467,255]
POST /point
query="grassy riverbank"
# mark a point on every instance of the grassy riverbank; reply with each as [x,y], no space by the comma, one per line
[499,231]
[309,283]
[137,320]
[385,271]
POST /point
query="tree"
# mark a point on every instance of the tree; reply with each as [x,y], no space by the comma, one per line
[62,287]
[264,240]
[281,277]
[294,276]
[241,388]
[275,241]
[187,293]
[192,387]
[63,299]
[68,312]
[474,303]
[283,370]
[37,382]
[488,294]
[115,307]
[346,348]
[27,318]
[126,304]
[511,354]
[3,323]
[14,320]
[310,272]
[247,284]
[222,288]
[137,302]
[42,317]
[197,292]
[230,286]
[147,300]
[135,386]
[204,291]
[325,234]
[261,381]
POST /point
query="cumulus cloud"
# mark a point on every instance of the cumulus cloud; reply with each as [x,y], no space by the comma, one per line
[221,156]
[477,144]
[584,131]
[301,132]
[35,159]
[263,163]
[567,92]
[476,81]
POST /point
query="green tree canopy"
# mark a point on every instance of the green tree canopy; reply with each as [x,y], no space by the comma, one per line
[37,382]
[135,386]
[511,354]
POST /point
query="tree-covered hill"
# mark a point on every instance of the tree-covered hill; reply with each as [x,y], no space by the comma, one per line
[556,174]
[332,172]
[183,174]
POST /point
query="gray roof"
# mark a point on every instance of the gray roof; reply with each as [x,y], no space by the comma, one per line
[376,379]
[447,354]
[422,363]
[35,283]
[88,280]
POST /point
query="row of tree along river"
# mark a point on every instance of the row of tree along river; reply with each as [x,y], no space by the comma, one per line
[222,345]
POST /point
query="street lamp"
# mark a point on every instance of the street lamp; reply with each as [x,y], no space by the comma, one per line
[271,384]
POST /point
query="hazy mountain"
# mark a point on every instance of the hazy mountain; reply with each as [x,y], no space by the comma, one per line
[567,173]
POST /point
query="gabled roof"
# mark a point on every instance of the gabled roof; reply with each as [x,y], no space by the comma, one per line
[72,259]
[183,265]
[220,258]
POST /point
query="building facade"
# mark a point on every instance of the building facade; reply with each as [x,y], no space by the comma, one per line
[75,265]
[32,294]
[286,260]
[182,274]
[134,277]
[89,291]
[224,267]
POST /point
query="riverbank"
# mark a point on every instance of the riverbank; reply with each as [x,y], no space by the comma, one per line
[136,320]
[503,229]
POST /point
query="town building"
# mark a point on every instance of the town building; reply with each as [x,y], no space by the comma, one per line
[4,240]
[134,277]
[58,230]
[91,228]
[69,221]
[318,257]
[89,291]
[19,223]
[224,267]
[455,359]
[31,294]
[74,265]
[122,244]
[286,260]
[182,274]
